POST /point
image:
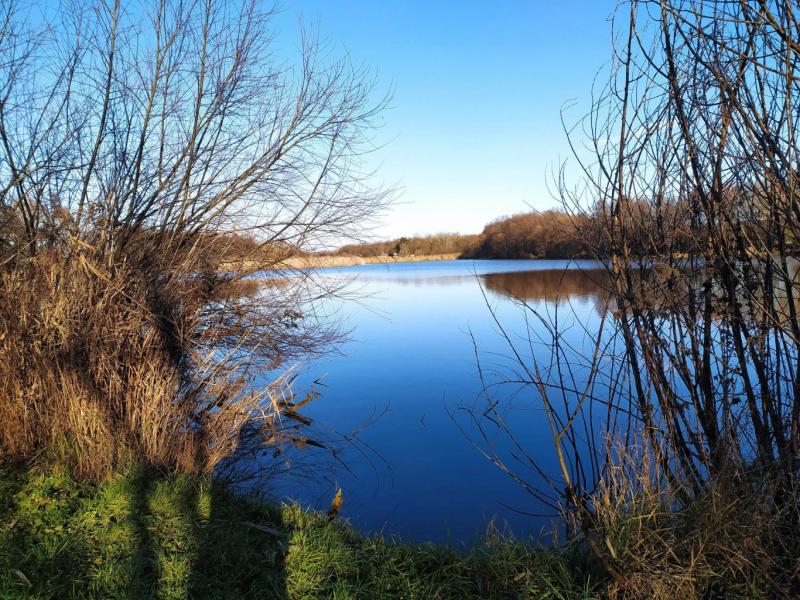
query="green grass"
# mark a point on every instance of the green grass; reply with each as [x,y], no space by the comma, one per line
[147,536]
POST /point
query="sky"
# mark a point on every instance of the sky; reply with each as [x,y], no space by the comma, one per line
[474,125]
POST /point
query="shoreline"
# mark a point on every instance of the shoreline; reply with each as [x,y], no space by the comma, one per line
[193,536]
[321,262]
[316,262]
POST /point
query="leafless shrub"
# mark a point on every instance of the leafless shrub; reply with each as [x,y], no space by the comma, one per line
[692,181]
[152,158]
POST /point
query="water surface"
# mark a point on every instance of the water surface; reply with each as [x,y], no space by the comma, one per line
[407,373]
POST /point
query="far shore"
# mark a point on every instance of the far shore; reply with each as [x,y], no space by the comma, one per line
[311,262]
[318,262]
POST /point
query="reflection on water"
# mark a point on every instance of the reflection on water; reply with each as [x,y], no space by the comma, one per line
[411,360]
[664,293]
[553,285]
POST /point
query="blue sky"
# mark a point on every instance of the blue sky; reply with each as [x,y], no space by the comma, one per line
[474,125]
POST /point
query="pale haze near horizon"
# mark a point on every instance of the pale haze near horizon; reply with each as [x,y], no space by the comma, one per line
[474,128]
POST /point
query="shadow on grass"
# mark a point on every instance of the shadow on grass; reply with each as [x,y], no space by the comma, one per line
[146,535]
[242,548]
[143,536]
[41,554]
[142,573]
[195,539]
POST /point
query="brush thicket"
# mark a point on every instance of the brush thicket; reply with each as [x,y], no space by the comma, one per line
[100,366]
[737,539]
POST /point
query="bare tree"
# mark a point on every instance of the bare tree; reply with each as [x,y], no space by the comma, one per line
[153,156]
[692,188]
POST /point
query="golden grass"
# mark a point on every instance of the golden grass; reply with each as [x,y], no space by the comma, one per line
[737,539]
[98,368]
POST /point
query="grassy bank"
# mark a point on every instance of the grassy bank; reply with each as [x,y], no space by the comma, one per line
[143,535]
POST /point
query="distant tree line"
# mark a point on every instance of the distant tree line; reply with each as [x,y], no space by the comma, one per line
[665,227]
[548,234]
[440,243]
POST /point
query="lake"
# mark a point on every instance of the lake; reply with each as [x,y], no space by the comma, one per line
[407,380]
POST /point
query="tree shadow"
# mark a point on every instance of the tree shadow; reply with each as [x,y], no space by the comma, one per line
[196,539]
[242,548]
[143,575]
[147,535]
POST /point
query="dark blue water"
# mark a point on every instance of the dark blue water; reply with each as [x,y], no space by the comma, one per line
[407,379]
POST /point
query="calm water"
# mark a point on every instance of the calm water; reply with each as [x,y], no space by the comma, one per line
[405,377]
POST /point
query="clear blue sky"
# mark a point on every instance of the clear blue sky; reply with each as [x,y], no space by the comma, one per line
[474,125]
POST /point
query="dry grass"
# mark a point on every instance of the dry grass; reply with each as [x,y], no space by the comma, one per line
[739,539]
[98,368]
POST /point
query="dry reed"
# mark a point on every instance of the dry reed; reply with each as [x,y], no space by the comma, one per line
[98,369]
